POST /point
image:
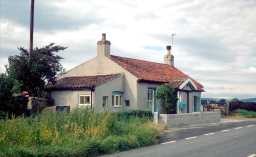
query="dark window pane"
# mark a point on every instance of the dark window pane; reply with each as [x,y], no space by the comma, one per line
[127,102]
[105,101]
[62,108]
[116,100]
[113,100]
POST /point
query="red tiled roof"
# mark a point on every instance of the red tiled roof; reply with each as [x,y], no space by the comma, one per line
[154,72]
[81,82]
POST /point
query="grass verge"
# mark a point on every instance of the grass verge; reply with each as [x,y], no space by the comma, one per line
[242,114]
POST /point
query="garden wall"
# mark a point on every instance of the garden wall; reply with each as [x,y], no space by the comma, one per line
[189,119]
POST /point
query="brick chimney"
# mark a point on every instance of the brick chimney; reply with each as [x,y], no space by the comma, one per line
[103,47]
[169,58]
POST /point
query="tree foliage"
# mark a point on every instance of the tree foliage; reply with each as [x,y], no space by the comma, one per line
[8,103]
[33,71]
[167,98]
[6,85]
[28,72]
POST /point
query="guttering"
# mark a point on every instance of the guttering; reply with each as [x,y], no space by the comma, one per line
[150,81]
[69,88]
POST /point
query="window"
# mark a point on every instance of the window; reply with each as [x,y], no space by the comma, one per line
[116,100]
[84,100]
[62,108]
[104,101]
[127,103]
[151,98]
[195,103]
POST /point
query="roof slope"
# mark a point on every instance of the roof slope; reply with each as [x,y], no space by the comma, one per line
[154,72]
[81,82]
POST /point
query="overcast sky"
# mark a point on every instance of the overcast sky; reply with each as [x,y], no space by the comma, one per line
[215,40]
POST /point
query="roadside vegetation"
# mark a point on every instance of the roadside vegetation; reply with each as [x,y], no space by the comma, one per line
[240,113]
[79,133]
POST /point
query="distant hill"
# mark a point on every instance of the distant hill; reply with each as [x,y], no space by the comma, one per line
[249,100]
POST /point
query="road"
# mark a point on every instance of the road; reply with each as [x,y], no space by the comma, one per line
[238,141]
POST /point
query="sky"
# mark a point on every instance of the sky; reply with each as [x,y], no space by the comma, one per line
[215,40]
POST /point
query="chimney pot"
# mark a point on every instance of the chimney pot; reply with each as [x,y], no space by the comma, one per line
[104,36]
[168,47]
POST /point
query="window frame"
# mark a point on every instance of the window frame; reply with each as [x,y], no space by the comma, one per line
[153,94]
[151,103]
[85,104]
[117,100]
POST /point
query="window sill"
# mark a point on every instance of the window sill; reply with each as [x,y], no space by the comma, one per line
[117,106]
[84,105]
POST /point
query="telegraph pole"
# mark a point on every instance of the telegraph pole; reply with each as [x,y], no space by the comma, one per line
[31,27]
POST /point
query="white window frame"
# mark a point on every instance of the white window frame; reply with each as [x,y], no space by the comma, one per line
[117,97]
[151,102]
[84,95]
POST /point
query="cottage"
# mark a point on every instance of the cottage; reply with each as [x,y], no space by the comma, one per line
[113,83]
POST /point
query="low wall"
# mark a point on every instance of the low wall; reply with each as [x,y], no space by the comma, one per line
[189,119]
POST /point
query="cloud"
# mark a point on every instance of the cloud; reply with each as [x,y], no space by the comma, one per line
[48,17]
[214,42]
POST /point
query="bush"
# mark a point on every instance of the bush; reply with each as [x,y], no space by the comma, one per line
[78,133]
[235,105]
[167,97]
[3,115]
[136,113]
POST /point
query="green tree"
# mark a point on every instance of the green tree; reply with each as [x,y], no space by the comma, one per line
[8,87]
[167,98]
[33,71]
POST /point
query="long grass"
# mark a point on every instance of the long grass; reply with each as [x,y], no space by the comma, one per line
[78,133]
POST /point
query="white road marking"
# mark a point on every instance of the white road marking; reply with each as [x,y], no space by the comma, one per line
[169,142]
[189,138]
[249,126]
[252,155]
[209,134]
[237,128]
[225,130]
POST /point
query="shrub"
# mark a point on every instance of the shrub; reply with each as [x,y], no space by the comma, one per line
[167,97]
[235,105]
[3,115]
[136,113]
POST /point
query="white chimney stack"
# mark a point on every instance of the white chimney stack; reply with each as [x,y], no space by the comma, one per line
[169,58]
[103,47]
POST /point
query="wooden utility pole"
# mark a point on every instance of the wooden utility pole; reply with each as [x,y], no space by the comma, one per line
[31,27]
